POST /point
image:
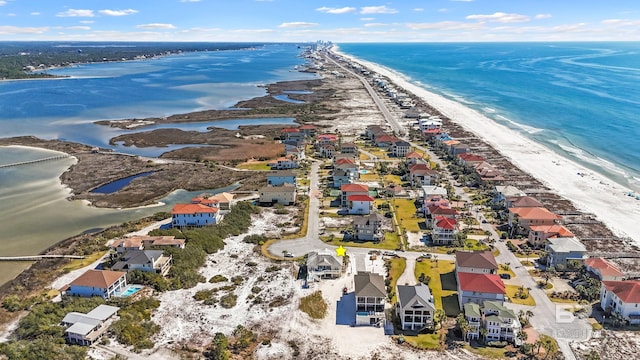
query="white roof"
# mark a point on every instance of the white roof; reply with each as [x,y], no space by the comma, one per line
[80,328]
[434,190]
[565,245]
[103,312]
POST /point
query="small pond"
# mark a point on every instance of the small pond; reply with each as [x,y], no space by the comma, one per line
[118,184]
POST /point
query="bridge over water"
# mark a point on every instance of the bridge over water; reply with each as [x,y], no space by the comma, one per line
[50,158]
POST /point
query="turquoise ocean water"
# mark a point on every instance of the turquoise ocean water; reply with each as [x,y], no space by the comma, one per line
[582,100]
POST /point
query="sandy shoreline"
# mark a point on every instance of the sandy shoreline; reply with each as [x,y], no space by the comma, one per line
[591,192]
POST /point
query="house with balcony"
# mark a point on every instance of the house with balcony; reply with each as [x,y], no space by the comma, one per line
[284,194]
[368,228]
[474,317]
[433,212]
[502,192]
[532,216]
[415,307]
[144,260]
[141,242]
[285,163]
[349,148]
[538,234]
[347,190]
[501,323]
[478,262]
[622,298]
[195,215]
[359,204]
[323,265]
[479,287]
[281,177]
[308,129]
[86,329]
[469,159]
[327,151]
[370,297]
[603,269]
[400,148]
[103,283]
[444,231]
[562,250]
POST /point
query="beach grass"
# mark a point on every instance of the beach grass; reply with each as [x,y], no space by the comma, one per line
[391,242]
[261,166]
[424,341]
[512,290]
[406,214]
[486,352]
[437,271]
[76,264]
[314,305]
[398,265]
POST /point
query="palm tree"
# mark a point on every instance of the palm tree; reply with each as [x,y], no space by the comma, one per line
[463,324]
[522,336]
[483,334]
[439,316]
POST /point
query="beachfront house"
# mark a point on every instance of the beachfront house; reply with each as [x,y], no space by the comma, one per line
[603,269]
[479,287]
[370,296]
[522,202]
[368,228]
[538,234]
[103,283]
[285,194]
[86,329]
[469,159]
[501,323]
[502,192]
[281,177]
[474,317]
[359,204]
[562,250]
[323,265]
[622,298]
[144,260]
[415,307]
[347,190]
[531,216]
[194,215]
[140,242]
[477,262]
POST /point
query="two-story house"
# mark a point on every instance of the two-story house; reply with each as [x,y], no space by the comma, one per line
[538,234]
[144,260]
[562,250]
[285,162]
[323,265]
[400,148]
[347,190]
[622,298]
[103,283]
[281,177]
[603,269]
[415,307]
[479,262]
[479,287]
[501,323]
[367,228]
[370,296]
[531,216]
[284,194]
[195,215]
[359,204]
[445,230]
[86,329]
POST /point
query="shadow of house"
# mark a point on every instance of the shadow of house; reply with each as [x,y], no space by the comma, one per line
[450,305]
[448,281]
[346,309]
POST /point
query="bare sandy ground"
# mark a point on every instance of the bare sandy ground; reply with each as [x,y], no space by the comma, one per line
[590,192]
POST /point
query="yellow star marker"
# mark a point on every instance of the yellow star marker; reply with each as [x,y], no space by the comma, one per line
[341,251]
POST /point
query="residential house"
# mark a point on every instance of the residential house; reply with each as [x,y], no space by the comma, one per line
[522,202]
[289,133]
[501,323]
[368,228]
[562,250]
[349,148]
[502,192]
[225,200]
[308,130]
[469,159]
[370,295]
[196,215]
[622,298]
[340,177]
[347,190]
[144,260]
[86,329]
[415,307]
[413,158]
[444,230]
[430,191]
[284,163]
[347,164]
[430,123]
[103,283]
[359,204]
[205,200]
[126,244]
[323,265]
[488,172]
[431,213]
[538,234]
[479,287]
[531,216]
[400,148]
[295,153]
[372,131]
[327,150]
[474,317]
[421,175]
[431,134]
[385,141]
[327,139]
[285,194]
[458,148]
[142,242]
[477,262]
[603,269]
[281,177]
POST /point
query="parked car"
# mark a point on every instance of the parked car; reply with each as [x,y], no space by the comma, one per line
[288,255]
[505,276]
[389,253]
[426,256]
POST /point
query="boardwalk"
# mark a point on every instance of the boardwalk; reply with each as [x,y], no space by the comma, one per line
[50,158]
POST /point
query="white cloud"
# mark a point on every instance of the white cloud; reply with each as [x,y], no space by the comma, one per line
[445,25]
[499,17]
[343,10]
[367,19]
[189,1]
[543,16]
[11,14]
[418,9]
[78,28]
[377,10]
[443,10]
[9,30]
[375,24]
[156,26]
[2,3]
[117,12]
[297,24]
[75,13]
[35,13]
[86,21]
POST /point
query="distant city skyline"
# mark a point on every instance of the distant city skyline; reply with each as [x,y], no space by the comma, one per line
[309,20]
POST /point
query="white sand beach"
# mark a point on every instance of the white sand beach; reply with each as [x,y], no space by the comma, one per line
[590,192]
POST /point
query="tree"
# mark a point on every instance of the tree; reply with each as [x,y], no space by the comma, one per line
[439,316]
[483,334]
[522,336]
[549,345]
[463,324]
[218,350]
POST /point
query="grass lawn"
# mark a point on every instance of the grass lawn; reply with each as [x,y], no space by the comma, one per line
[393,179]
[314,305]
[561,300]
[262,165]
[487,352]
[506,270]
[443,284]
[369,177]
[424,341]
[362,156]
[397,268]
[76,264]
[391,242]
[406,214]
[511,293]
[304,182]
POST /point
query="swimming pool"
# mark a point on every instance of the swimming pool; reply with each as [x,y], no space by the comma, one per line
[131,289]
[364,171]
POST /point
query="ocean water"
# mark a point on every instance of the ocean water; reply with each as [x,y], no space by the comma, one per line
[582,100]
[34,210]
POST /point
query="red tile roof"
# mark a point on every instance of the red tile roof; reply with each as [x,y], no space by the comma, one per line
[606,268]
[446,223]
[360,198]
[419,166]
[534,213]
[289,130]
[524,201]
[354,188]
[555,230]
[386,139]
[470,157]
[192,209]
[328,137]
[627,291]
[341,161]
[414,155]
[442,210]
[482,283]
[98,278]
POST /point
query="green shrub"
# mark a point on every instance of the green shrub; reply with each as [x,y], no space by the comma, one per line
[218,278]
[229,300]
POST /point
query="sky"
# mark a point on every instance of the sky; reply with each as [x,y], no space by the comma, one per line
[311,20]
